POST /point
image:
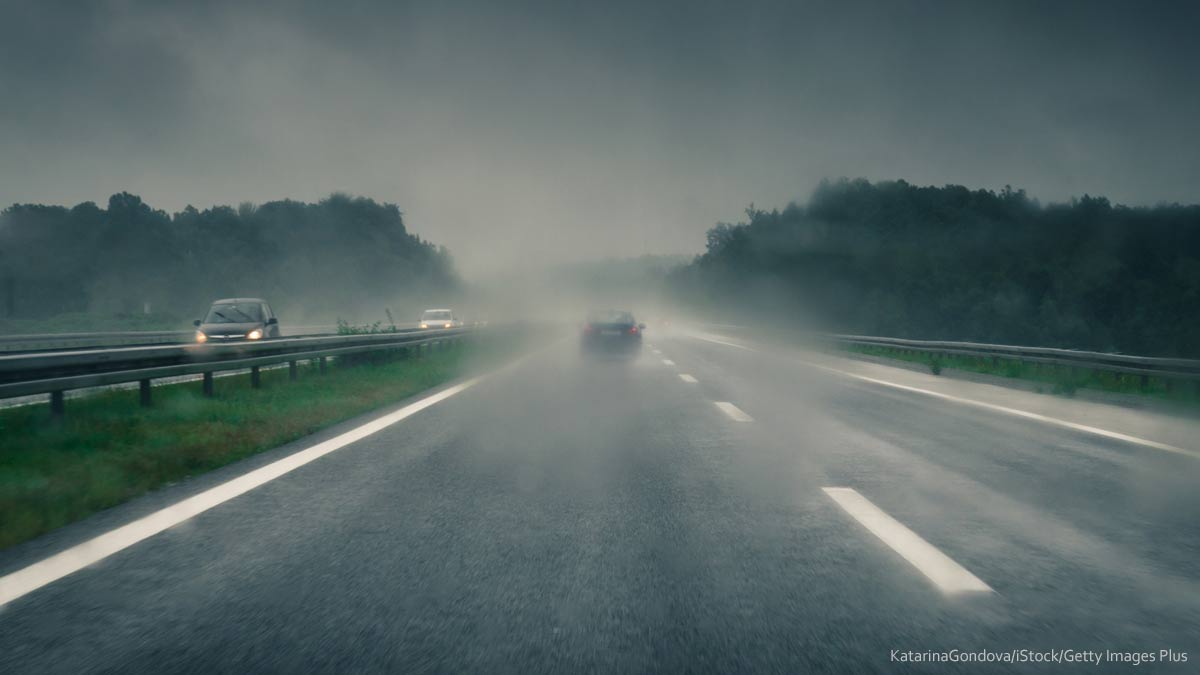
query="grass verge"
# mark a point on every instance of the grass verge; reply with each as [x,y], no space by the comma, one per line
[1049,378]
[109,449]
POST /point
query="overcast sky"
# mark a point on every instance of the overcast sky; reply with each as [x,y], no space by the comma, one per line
[521,133]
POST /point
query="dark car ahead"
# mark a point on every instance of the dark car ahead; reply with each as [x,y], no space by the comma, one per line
[612,331]
[236,319]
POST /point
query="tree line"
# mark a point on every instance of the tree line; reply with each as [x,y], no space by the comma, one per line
[321,259]
[894,259]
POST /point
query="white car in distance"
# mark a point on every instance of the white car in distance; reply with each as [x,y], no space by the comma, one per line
[440,318]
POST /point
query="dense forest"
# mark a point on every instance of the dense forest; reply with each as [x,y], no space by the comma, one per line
[899,260]
[337,257]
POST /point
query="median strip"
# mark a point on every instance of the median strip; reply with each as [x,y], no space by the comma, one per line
[947,575]
[112,449]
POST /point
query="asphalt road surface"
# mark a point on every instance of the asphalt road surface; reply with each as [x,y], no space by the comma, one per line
[572,514]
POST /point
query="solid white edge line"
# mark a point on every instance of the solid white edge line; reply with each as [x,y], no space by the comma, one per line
[947,575]
[49,570]
[722,342]
[1075,426]
[735,413]
[688,378]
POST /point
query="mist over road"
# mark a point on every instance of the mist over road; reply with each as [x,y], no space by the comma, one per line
[574,514]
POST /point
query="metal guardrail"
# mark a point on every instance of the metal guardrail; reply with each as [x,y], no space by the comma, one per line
[28,342]
[1147,366]
[60,371]
[43,341]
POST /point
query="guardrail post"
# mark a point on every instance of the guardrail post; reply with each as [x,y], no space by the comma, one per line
[208,384]
[144,393]
[255,378]
[291,370]
[57,405]
[321,364]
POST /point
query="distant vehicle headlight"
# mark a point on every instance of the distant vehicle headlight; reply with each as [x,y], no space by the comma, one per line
[201,337]
[446,326]
[255,334]
[424,325]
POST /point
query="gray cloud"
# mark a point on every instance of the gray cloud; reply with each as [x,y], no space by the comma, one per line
[527,132]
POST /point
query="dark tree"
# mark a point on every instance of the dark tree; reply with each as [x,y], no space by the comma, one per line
[312,260]
[951,263]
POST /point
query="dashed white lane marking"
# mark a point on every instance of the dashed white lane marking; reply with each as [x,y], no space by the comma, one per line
[735,413]
[668,362]
[1075,426]
[33,577]
[688,378]
[658,351]
[947,575]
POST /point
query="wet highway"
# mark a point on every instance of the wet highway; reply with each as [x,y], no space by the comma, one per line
[710,506]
